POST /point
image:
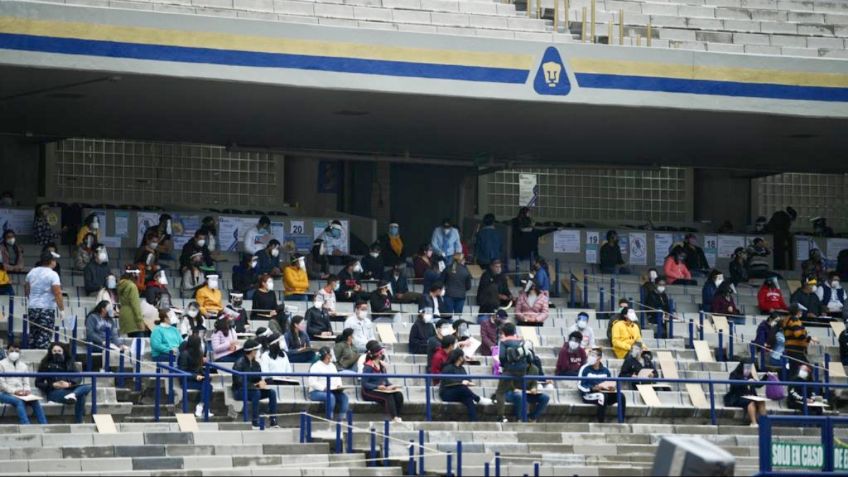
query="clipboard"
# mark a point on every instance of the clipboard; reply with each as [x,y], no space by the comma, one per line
[386,333]
[649,395]
[697,396]
[755,398]
[836,370]
[703,353]
[838,327]
[471,348]
[474,270]
[385,391]
[29,398]
[282,382]
[720,324]
[646,373]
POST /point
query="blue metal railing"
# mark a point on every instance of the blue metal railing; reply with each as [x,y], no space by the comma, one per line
[825,422]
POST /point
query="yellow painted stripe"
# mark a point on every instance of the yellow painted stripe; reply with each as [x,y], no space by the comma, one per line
[222,41]
[711,73]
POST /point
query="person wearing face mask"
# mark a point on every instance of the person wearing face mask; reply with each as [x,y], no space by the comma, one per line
[317,264]
[832,296]
[335,242]
[257,237]
[445,241]
[210,229]
[489,331]
[373,265]
[807,298]
[517,359]
[13,388]
[44,300]
[780,227]
[488,243]
[197,245]
[295,279]
[147,260]
[257,387]
[334,397]
[658,307]
[759,260]
[156,293]
[297,341]
[210,298]
[736,393]
[797,338]
[95,273]
[738,269]
[611,259]
[581,325]
[422,261]
[594,386]
[224,342]
[457,281]
[350,288]
[273,357]
[714,280]
[776,344]
[193,276]
[625,332]
[269,259]
[101,319]
[245,275]
[432,303]
[399,286]
[724,302]
[236,313]
[346,354]
[454,387]
[191,360]
[764,330]
[420,333]
[531,308]
[166,337]
[363,328]
[571,356]
[493,289]
[634,363]
[163,230]
[436,273]
[378,389]
[42,230]
[539,274]
[675,269]
[192,321]
[328,294]
[109,292]
[648,283]
[381,304]
[440,355]
[391,243]
[11,261]
[696,260]
[770,297]
[623,307]
[798,393]
[64,389]
[318,325]
[91,224]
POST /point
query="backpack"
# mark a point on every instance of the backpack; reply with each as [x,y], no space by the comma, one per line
[518,358]
[775,392]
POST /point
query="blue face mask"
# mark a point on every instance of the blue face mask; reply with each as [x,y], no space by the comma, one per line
[336,233]
[393,231]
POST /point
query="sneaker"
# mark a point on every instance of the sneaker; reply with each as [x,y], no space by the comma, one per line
[754,424]
[198,412]
[273,422]
[485,401]
[71,397]
[255,424]
[397,420]
[503,419]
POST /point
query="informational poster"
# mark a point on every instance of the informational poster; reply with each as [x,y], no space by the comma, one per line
[111,242]
[122,223]
[592,244]
[803,245]
[19,220]
[528,190]
[662,245]
[727,244]
[567,241]
[144,220]
[231,231]
[638,248]
[331,244]
[183,227]
[711,249]
[298,243]
[624,246]
[836,245]
[296,227]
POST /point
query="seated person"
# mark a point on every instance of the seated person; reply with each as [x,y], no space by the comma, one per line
[350,289]
[440,356]
[193,276]
[759,260]
[165,338]
[335,396]
[192,321]
[236,313]
[434,343]
[372,264]
[625,333]
[85,252]
[295,279]
[797,392]
[696,260]
[676,272]
[532,306]
[273,358]
[191,360]
[807,298]
[257,388]
[381,303]
[209,297]
[738,268]
[265,304]
[95,273]
[723,301]
[13,388]
[832,296]
[224,342]
[714,280]
[399,287]
[582,326]
[318,325]
[649,283]
[197,245]
[63,390]
[436,273]
[770,298]
[346,354]
[635,362]
[814,266]
[363,328]
[735,396]
[843,346]
[572,356]
[658,307]
[245,276]
[420,333]
[156,293]
[297,342]
[269,259]
[376,388]
[595,388]
[101,321]
[455,388]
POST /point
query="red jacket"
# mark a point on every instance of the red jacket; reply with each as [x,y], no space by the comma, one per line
[675,271]
[770,299]
[440,357]
[570,361]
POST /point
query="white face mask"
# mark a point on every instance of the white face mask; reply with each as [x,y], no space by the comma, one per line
[631,315]
[14,356]
[652,275]
[814,288]
[254,263]
[269,285]
[213,284]
[318,303]
[442,292]
[301,263]
[803,374]
[103,257]
[10,241]
[362,314]
[428,318]
[661,288]
[111,282]
[441,266]
[154,245]
[572,345]
[581,324]
[95,224]
[374,254]
[168,227]
[835,285]
[635,352]
[163,280]
[275,252]
[719,279]
[446,330]
[192,313]
[357,268]
[591,360]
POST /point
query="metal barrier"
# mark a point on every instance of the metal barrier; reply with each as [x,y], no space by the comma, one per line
[827,441]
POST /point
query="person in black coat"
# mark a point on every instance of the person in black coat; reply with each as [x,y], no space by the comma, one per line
[635,362]
[191,361]
[318,325]
[779,226]
[796,395]
[372,264]
[658,306]
[736,393]
[420,333]
[493,290]
[696,259]
[63,390]
[611,259]
[257,388]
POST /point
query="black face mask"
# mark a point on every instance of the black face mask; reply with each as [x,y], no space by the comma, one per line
[58,357]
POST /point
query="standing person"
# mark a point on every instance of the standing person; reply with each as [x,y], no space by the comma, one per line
[363,328]
[493,290]
[611,259]
[455,388]
[696,260]
[44,297]
[257,388]
[392,245]
[42,231]
[676,272]
[376,388]
[257,237]
[434,274]
[797,339]
[531,309]
[571,356]
[445,241]
[295,279]
[62,389]
[488,245]
[540,276]
[191,360]
[14,388]
[335,396]
[779,226]
[770,298]
[595,387]
[457,284]
[525,237]
[736,393]
[297,342]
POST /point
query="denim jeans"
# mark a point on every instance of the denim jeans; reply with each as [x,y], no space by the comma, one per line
[301,356]
[464,395]
[254,395]
[338,399]
[20,408]
[537,403]
[58,395]
[454,305]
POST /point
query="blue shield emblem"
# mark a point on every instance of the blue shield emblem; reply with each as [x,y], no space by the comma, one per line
[551,78]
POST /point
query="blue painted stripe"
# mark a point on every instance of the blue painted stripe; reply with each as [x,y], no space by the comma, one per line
[73,46]
[711,87]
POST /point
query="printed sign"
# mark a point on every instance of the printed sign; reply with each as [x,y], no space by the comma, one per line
[552,77]
[638,248]
[662,245]
[592,243]
[19,220]
[711,249]
[296,227]
[528,190]
[727,244]
[805,456]
[567,241]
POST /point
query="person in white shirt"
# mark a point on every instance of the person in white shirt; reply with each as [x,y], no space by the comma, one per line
[335,397]
[328,294]
[44,292]
[274,359]
[13,389]
[582,326]
[257,238]
[363,328]
[832,296]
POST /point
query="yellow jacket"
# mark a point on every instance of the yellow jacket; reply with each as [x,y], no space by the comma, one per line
[210,301]
[83,231]
[295,281]
[624,334]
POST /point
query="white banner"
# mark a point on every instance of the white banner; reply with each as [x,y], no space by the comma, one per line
[567,241]
[728,243]
[231,231]
[662,244]
[19,220]
[528,191]
[331,244]
[638,248]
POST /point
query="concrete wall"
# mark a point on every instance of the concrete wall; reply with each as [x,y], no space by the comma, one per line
[21,165]
[720,196]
